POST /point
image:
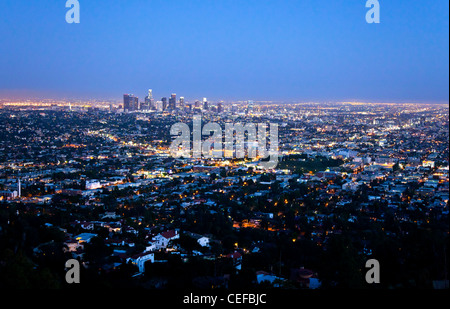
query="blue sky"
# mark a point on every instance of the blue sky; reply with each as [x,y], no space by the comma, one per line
[301,50]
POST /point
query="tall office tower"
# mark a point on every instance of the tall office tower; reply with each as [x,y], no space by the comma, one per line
[164,103]
[159,106]
[128,102]
[152,101]
[135,103]
[205,104]
[182,103]
[220,107]
[149,102]
[197,106]
[173,101]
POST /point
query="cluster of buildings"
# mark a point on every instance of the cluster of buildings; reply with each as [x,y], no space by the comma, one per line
[332,157]
[131,104]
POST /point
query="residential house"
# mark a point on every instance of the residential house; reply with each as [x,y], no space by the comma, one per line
[162,240]
[140,259]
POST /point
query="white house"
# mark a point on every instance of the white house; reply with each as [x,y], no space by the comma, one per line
[159,242]
[151,247]
[203,241]
[93,184]
[162,240]
[140,259]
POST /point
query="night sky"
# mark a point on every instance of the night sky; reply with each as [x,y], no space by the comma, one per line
[226,50]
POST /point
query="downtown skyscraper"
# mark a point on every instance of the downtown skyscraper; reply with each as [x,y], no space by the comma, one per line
[130,102]
[173,101]
[149,103]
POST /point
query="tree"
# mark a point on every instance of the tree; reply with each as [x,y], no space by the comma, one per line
[96,249]
[341,264]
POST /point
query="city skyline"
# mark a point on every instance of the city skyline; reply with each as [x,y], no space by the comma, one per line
[259,50]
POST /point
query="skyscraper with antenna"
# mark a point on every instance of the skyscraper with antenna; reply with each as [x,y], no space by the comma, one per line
[149,102]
